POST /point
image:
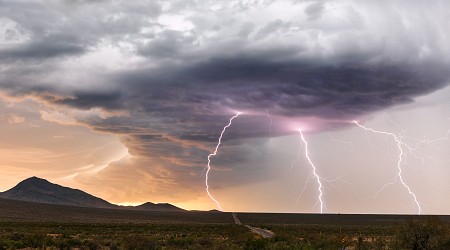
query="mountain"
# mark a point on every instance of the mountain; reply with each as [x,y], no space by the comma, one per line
[149,206]
[42,191]
[39,190]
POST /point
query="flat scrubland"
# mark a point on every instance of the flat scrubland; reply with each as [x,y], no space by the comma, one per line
[41,226]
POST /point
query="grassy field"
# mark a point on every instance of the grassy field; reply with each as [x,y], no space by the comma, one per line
[41,226]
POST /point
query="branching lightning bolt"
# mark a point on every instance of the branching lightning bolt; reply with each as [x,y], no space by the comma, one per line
[297,159]
[208,167]
[400,146]
[314,173]
[341,141]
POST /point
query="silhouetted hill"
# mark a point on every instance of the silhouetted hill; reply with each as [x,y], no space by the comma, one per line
[149,206]
[42,191]
[39,190]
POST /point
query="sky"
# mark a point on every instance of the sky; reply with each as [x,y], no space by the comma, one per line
[127,99]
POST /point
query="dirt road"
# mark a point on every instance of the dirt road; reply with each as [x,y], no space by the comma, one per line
[236,219]
[263,232]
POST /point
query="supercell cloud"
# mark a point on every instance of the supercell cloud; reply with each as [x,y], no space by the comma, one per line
[166,76]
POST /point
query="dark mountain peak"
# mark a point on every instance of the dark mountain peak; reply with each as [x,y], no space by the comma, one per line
[148,203]
[149,206]
[35,178]
[40,190]
[35,189]
[33,181]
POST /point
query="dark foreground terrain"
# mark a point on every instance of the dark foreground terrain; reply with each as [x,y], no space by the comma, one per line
[44,226]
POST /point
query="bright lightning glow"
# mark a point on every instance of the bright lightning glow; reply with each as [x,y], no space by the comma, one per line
[320,189]
[400,146]
[214,154]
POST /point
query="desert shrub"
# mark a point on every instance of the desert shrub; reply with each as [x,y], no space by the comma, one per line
[139,242]
[324,241]
[430,234]
[34,240]
[8,244]
[61,244]
[205,242]
[112,244]
[180,242]
[90,244]
[74,243]
[256,244]
[17,236]
[380,243]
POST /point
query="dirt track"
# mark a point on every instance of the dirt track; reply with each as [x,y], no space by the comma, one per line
[263,232]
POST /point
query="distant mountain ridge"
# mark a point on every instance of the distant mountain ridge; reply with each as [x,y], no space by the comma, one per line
[149,206]
[39,190]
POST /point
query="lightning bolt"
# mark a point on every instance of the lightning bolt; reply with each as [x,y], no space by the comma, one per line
[341,141]
[296,159]
[400,146]
[270,124]
[208,167]
[314,173]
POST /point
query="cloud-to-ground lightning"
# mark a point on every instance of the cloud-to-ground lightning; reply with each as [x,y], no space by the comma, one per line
[316,175]
[214,154]
[400,145]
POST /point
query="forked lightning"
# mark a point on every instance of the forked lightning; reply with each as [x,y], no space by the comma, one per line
[400,146]
[208,167]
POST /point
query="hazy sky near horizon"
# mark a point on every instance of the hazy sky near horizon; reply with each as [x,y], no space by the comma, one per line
[126,100]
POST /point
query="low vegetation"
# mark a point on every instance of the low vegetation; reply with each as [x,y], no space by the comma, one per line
[428,234]
[122,236]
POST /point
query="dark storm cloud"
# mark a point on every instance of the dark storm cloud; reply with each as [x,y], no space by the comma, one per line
[289,88]
[48,47]
[86,100]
